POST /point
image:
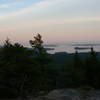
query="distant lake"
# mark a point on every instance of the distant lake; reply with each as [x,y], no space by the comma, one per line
[70,48]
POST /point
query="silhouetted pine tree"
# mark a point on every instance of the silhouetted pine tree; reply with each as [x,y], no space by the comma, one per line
[42,59]
[93,69]
[16,70]
[39,50]
[78,72]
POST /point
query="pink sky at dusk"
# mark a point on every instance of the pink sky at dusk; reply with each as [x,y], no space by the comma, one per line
[59,21]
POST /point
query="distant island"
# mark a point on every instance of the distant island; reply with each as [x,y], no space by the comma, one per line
[82,48]
[86,44]
[50,45]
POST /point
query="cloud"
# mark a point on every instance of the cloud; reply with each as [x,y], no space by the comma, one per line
[36,7]
[57,18]
[8,5]
[55,10]
[4,6]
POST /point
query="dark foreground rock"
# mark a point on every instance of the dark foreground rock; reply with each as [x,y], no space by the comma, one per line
[71,94]
[68,94]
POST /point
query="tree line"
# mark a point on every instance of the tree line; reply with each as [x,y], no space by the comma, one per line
[25,72]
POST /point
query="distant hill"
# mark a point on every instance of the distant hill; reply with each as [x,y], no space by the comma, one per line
[61,58]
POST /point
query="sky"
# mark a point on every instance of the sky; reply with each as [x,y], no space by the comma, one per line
[58,21]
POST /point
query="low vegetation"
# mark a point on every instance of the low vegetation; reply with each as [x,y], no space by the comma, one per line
[25,72]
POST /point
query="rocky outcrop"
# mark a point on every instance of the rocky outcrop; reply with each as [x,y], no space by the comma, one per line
[68,94]
[65,94]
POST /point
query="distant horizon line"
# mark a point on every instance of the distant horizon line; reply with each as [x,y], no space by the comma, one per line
[26,44]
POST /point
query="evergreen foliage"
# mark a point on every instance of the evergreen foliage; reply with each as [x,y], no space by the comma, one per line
[93,69]
[25,72]
[78,71]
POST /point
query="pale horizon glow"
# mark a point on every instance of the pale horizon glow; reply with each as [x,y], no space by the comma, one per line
[58,21]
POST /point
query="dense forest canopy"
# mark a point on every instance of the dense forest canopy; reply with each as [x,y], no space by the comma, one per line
[25,72]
